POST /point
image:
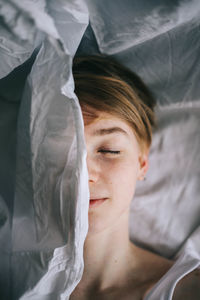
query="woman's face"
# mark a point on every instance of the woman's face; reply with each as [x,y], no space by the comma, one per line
[114,164]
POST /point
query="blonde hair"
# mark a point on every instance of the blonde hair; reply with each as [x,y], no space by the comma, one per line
[105,85]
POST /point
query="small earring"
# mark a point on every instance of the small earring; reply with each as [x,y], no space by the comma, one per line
[142,178]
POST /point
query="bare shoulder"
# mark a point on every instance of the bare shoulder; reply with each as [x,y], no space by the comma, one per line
[188,288]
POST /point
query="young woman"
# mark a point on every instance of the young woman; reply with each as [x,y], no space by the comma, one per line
[118,113]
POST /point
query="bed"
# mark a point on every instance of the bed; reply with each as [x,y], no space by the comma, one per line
[43,176]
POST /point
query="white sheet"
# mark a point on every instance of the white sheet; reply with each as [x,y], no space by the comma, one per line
[46,196]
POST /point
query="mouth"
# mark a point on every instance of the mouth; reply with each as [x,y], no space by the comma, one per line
[97,202]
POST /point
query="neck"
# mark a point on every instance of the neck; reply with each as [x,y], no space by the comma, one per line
[107,254]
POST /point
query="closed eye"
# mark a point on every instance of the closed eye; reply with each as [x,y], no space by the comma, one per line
[109,151]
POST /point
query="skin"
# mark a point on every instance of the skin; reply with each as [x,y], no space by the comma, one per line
[112,175]
[114,268]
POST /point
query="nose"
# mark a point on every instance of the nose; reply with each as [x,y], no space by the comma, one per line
[93,169]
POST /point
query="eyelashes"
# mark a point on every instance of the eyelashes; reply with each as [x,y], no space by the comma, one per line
[109,151]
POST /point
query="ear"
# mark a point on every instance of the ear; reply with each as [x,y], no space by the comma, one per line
[144,165]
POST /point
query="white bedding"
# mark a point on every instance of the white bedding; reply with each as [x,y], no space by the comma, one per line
[43,178]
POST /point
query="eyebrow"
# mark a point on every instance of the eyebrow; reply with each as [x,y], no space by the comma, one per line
[104,131]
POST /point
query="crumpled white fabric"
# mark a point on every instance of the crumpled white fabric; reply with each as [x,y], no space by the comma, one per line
[43,182]
[42,253]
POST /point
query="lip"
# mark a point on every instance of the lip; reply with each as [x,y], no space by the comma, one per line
[97,201]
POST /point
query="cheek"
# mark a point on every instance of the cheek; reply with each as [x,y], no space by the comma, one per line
[121,177]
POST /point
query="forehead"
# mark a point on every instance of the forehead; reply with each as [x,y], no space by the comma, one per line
[102,123]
